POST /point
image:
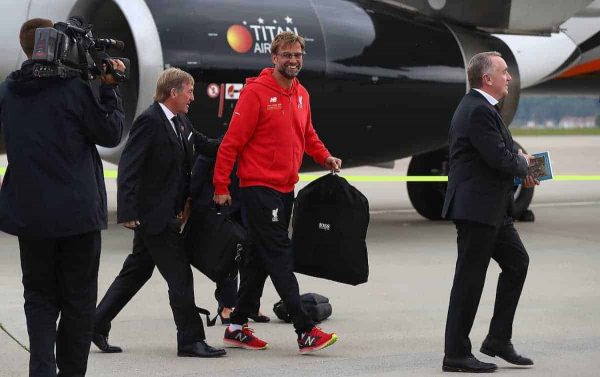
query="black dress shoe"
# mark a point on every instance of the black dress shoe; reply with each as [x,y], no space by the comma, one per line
[467,364]
[505,350]
[199,349]
[259,318]
[101,342]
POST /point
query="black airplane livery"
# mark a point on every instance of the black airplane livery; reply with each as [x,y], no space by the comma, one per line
[384,79]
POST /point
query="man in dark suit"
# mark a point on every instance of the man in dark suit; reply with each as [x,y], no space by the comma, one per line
[153,200]
[53,198]
[479,196]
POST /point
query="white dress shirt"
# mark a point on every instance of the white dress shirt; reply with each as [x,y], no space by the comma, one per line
[489,98]
[170,117]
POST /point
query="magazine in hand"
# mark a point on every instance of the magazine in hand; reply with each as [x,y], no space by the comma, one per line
[540,167]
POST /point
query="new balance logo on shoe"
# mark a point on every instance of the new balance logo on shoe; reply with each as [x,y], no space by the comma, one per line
[310,340]
[244,338]
[315,340]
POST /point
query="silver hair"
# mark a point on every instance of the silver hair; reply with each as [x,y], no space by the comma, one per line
[479,65]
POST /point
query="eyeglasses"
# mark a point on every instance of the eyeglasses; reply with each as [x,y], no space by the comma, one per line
[289,55]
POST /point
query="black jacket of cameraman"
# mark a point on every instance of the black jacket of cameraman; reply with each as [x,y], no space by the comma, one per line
[54,183]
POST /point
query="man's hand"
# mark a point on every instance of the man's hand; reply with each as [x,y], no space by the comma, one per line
[222,200]
[108,78]
[131,224]
[529,182]
[187,211]
[528,157]
[333,163]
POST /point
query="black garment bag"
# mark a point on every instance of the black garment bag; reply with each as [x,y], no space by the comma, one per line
[330,224]
[214,243]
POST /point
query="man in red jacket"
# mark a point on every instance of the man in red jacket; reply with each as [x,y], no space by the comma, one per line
[270,130]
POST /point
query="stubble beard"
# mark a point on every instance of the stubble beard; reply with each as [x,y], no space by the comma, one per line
[291,73]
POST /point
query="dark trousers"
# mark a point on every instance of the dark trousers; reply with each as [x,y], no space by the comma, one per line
[165,251]
[268,215]
[477,243]
[60,278]
[226,293]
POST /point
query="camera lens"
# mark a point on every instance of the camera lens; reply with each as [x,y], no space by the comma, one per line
[77,21]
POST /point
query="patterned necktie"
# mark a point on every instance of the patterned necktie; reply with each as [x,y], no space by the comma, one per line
[178,130]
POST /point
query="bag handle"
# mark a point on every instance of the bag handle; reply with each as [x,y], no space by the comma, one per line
[209,322]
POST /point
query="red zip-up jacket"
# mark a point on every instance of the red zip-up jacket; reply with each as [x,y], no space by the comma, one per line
[270,130]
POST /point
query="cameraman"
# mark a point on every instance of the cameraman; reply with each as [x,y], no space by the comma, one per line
[53,198]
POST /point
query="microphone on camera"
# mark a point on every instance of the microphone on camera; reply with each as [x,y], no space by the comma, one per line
[110,43]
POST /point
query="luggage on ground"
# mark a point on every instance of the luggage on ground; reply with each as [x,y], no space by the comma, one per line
[316,306]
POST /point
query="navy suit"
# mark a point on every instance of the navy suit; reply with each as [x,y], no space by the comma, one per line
[53,198]
[153,185]
[478,199]
[154,171]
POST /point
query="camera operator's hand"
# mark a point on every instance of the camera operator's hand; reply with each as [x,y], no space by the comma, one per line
[108,78]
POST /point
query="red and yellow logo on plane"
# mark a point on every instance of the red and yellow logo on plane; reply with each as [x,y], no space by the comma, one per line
[239,38]
[257,37]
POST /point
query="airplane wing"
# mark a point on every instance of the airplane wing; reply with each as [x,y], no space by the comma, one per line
[549,39]
[499,16]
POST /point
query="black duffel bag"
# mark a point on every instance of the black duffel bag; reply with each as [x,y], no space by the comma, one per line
[316,306]
[330,224]
[214,243]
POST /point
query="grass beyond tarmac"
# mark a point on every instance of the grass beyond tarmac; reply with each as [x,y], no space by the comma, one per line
[554,131]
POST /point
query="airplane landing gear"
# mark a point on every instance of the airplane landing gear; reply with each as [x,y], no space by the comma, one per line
[427,198]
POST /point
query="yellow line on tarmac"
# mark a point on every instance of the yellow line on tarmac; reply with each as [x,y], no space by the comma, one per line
[112,174]
[434,178]
[577,178]
[381,178]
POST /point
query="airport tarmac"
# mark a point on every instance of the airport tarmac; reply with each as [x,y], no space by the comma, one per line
[394,324]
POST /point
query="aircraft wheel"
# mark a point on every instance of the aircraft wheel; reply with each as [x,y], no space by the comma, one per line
[427,198]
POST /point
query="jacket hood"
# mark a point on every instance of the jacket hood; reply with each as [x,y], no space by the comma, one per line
[22,81]
[266,78]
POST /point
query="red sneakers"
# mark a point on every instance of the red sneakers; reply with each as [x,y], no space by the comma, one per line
[315,340]
[244,338]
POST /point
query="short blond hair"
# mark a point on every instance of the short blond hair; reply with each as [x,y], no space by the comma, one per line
[286,38]
[172,78]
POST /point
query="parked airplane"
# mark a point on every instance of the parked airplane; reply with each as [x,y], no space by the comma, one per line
[384,75]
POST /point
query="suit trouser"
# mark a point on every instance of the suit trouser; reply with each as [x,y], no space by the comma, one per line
[477,243]
[165,251]
[226,293]
[60,277]
[268,215]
